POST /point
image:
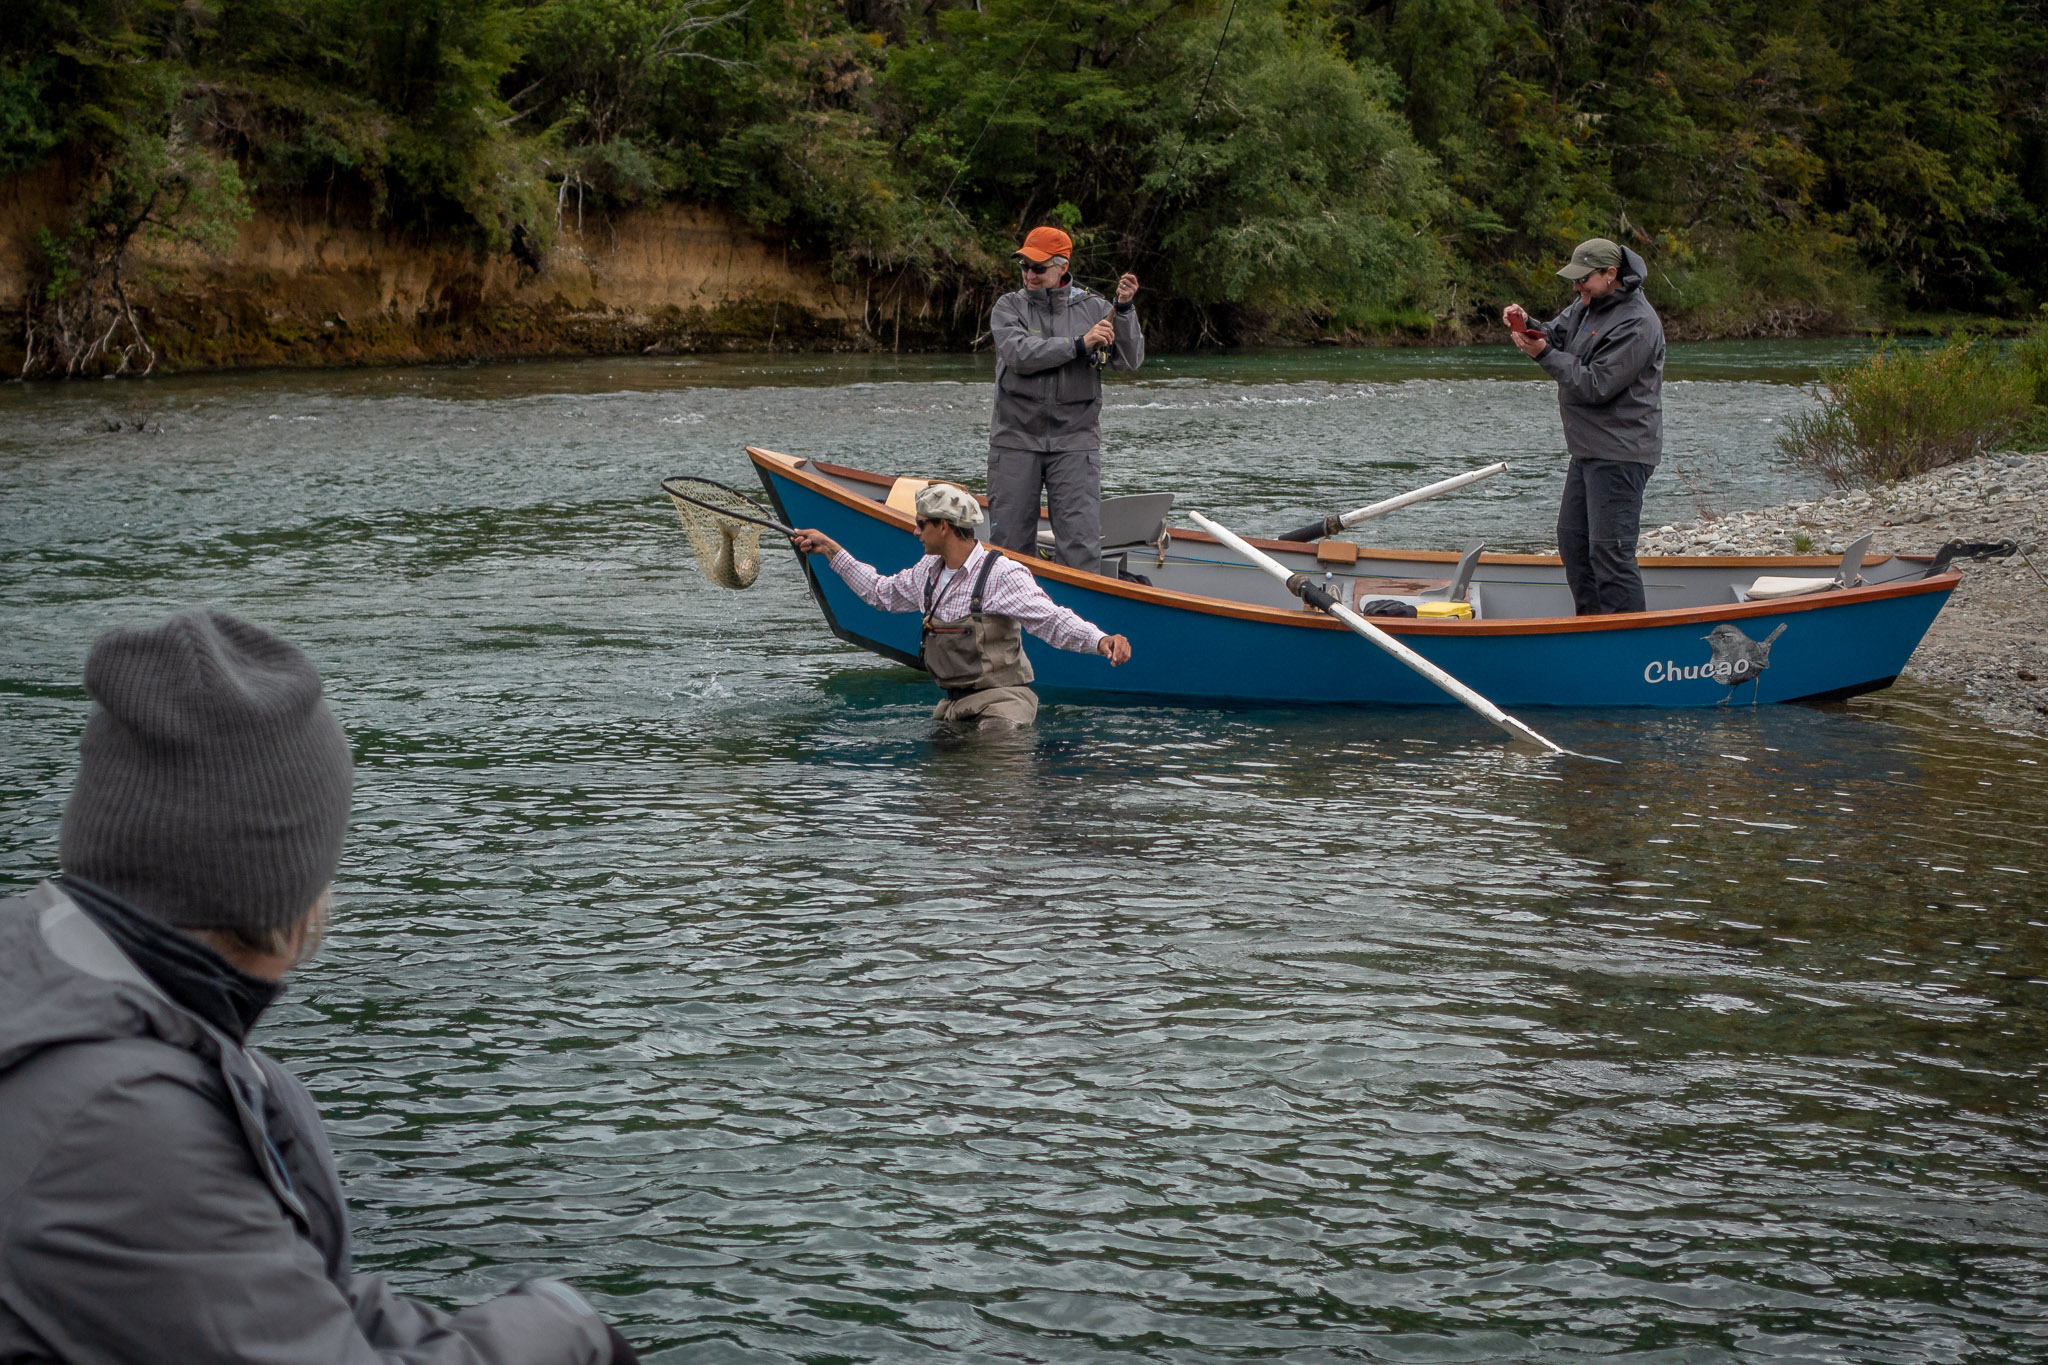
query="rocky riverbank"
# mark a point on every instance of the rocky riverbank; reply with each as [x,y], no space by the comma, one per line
[1991,642]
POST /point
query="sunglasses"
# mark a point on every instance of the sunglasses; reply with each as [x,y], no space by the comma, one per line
[1039,268]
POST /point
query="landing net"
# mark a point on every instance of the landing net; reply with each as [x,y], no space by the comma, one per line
[724,527]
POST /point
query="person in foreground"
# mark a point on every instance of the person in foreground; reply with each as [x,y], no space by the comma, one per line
[1051,338]
[974,602]
[166,1191]
[1606,351]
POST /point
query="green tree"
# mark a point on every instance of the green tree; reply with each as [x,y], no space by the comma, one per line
[1357,163]
[122,92]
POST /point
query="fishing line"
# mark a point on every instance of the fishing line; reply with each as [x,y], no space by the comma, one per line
[1001,100]
[945,200]
[1188,134]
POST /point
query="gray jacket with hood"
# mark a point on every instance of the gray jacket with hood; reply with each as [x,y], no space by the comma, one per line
[1048,391]
[1608,361]
[168,1194]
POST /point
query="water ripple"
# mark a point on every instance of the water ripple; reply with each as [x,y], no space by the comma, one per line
[677,955]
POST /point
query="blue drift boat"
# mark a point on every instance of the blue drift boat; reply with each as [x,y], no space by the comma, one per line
[1212,627]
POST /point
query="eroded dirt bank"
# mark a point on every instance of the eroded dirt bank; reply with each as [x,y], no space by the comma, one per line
[1991,640]
[305,288]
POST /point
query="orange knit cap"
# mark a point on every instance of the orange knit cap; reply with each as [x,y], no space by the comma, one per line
[1041,244]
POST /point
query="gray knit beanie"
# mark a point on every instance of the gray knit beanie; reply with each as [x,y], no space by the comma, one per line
[213,784]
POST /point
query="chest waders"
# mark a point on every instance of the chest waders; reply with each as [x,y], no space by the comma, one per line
[973,652]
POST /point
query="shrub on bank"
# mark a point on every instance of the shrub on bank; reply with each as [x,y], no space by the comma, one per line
[1905,410]
[2030,358]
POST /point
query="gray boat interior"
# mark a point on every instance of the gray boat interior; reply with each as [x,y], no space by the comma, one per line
[1137,539]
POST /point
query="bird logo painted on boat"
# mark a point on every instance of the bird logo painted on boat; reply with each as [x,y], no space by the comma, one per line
[1737,658]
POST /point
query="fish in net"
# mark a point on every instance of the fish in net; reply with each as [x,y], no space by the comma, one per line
[724,527]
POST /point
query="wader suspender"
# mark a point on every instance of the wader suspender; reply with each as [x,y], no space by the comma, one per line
[967,656]
[931,589]
[981,584]
[931,594]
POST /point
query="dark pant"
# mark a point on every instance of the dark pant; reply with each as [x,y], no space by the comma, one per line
[1597,526]
[1072,481]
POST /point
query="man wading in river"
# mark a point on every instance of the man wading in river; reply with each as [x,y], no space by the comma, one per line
[974,602]
[1606,352]
[1051,339]
[166,1191]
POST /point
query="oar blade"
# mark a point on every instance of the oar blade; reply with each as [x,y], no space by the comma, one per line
[1524,734]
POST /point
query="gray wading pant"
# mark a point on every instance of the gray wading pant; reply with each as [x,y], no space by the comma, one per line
[1072,480]
[990,707]
[1597,526]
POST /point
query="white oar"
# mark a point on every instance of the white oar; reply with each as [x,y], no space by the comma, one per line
[1305,588]
[1333,523]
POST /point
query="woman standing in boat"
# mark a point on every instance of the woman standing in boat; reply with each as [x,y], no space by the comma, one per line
[974,602]
[1606,352]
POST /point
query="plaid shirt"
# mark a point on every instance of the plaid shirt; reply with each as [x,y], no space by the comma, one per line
[1012,591]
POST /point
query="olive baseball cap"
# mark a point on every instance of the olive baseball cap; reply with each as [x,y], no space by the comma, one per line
[1596,253]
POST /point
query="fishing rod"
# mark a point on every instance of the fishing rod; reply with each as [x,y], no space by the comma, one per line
[1100,357]
[1188,133]
[1172,171]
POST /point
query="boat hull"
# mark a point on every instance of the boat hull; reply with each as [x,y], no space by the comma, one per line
[1198,650]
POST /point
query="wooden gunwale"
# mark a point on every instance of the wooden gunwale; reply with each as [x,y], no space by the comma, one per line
[791,468]
[1191,533]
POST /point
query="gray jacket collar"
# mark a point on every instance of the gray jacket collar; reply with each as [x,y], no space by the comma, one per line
[115,999]
[1060,296]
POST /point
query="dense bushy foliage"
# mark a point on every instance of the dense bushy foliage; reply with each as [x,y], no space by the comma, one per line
[1356,164]
[1906,411]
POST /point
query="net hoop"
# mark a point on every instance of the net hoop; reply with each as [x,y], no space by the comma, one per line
[721,499]
[724,527]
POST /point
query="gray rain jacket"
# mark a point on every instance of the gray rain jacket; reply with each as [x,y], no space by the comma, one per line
[1048,394]
[168,1195]
[1609,365]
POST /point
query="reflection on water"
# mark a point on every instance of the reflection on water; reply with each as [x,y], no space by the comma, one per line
[678,954]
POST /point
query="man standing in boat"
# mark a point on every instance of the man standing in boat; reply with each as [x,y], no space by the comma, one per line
[974,602]
[1052,338]
[1606,352]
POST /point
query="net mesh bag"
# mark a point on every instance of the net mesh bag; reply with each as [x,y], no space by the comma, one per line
[728,549]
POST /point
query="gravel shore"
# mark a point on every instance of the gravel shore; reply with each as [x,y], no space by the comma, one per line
[1990,643]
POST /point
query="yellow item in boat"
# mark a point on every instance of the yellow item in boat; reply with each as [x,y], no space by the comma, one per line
[1442,611]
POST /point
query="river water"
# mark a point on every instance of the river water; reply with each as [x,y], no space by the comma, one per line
[676,954]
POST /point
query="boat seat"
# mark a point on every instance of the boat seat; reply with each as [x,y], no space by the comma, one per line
[903,495]
[1132,519]
[1456,588]
[1766,588]
[1135,518]
[1418,591]
[1847,575]
[1460,587]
